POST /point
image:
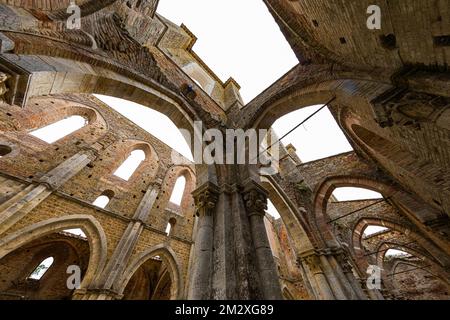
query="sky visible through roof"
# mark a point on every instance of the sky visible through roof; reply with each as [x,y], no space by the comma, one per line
[236,38]
[241,39]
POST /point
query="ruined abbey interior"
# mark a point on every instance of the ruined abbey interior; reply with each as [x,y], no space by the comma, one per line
[388,90]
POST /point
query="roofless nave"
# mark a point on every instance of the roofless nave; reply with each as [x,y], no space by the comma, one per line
[389,89]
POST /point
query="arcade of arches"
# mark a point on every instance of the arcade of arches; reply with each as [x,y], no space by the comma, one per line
[216,240]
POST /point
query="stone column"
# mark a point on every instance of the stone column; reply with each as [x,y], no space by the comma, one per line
[344,270]
[307,280]
[21,204]
[111,275]
[205,198]
[255,198]
[330,272]
[232,257]
[373,294]
[312,265]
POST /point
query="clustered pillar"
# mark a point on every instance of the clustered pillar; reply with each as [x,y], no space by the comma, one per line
[331,277]
[256,204]
[232,255]
[317,279]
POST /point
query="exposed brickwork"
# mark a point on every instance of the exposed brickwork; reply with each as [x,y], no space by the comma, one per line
[389,95]
[118,137]
[64,248]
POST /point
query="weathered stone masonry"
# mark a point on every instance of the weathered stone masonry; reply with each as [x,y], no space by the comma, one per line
[390,96]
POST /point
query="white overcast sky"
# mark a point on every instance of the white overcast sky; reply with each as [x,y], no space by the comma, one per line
[239,38]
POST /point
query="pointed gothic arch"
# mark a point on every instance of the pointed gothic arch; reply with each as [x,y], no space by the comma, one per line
[94,231]
[169,257]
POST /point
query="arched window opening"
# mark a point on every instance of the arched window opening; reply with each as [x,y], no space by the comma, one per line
[129,166]
[60,129]
[151,281]
[41,269]
[371,230]
[104,199]
[161,126]
[38,263]
[101,202]
[272,211]
[168,229]
[200,77]
[394,253]
[354,194]
[76,232]
[170,226]
[4,150]
[178,191]
[320,137]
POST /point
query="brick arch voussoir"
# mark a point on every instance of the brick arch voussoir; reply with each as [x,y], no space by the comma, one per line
[309,85]
[173,264]
[292,217]
[384,246]
[80,74]
[94,232]
[325,189]
[408,230]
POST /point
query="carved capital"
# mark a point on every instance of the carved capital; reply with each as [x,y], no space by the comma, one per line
[50,186]
[344,263]
[255,198]
[324,252]
[96,294]
[255,202]
[313,263]
[157,183]
[91,152]
[206,198]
